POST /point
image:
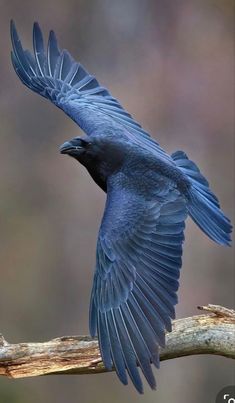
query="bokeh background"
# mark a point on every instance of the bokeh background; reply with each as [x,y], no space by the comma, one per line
[171,64]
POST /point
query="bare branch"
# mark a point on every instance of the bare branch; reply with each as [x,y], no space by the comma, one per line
[212,333]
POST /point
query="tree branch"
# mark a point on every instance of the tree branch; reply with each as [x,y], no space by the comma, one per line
[212,333]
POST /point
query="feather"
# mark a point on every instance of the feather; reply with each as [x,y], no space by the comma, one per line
[137,294]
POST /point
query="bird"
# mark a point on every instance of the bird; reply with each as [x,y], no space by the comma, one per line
[150,194]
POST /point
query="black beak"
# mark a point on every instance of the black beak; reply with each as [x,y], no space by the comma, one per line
[69,148]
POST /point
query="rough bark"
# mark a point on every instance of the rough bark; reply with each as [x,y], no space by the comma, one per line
[211,333]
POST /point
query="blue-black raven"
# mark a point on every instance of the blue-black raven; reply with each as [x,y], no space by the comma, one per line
[149,196]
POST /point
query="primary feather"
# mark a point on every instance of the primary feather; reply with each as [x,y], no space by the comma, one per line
[70,87]
[136,279]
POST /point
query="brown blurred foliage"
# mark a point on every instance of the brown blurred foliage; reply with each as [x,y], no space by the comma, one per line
[171,64]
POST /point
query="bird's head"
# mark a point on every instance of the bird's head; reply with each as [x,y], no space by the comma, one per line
[76,148]
[105,148]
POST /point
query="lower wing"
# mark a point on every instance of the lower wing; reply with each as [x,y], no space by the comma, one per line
[136,280]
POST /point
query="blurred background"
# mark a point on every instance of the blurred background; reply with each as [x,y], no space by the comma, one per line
[171,64]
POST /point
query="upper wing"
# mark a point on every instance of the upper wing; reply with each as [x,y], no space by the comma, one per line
[56,76]
[136,279]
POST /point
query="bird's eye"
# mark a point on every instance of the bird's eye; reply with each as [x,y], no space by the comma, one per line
[85,143]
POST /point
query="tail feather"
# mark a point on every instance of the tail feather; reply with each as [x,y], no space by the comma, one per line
[203,205]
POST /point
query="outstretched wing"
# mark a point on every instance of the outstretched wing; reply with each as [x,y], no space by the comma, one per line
[136,279]
[56,76]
